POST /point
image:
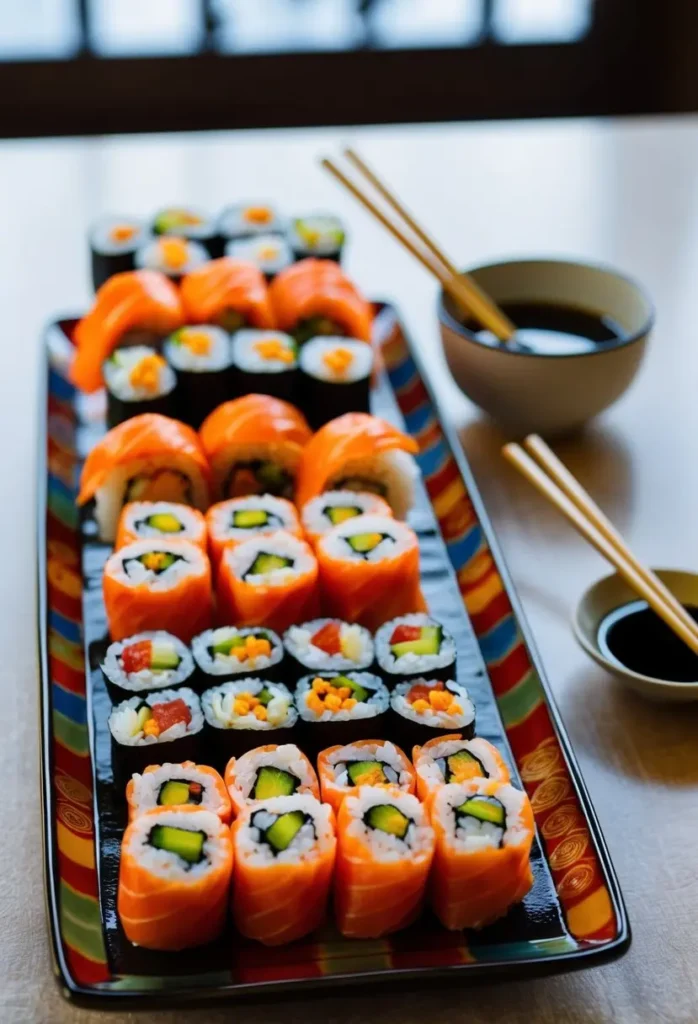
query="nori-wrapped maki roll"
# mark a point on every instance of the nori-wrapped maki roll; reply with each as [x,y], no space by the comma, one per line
[423,709]
[172,256]
[270,252]
[336,707]
[113,245]
[138,380]
[202,358]
[189,223]
[265,363]
[245,714]
[320,235]
[335,378]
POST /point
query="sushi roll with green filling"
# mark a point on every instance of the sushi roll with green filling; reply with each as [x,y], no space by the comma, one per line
[244,713]
[231,653]
[270,252]
[138,380]
[114,242]
[453,759]
[423,709]
[265,363]
[169,520]
[320,235]
[329,645]
[321,514]
[202,359]
[185,222]
[236,520]
[249,220]
[335,378]
[415,645]
[339,708]
[172,256]
[269,771]
[178,785]
[146,662]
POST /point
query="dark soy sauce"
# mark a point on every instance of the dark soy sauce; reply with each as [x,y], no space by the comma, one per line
[547,329]
[637,638]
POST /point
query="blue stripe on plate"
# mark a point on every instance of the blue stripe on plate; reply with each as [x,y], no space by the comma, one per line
[402,373]
[417,419]
[58,486]
[500,639]
[460,551]
[67,629]
[69,704]
[432,459]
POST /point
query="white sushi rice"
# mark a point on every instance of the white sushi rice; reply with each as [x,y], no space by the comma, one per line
[413,664]
[181,356]
[285,545]
[227,664]
[385,752]
[376,704]
[356,643]
[287,757]
[147,678]
[313,839]
[428,767]
[169,865]
[281,514]
[151,257]
[218,705]
[123,720]
[312,359]
[398,538]
[472,836]
[117,374]
[102,241]
[320,234]
[123,565]
[314,513]
[393,473]
[247,356]
[419,838]
[434,719]
[270,252]
[135,514]
[146,787]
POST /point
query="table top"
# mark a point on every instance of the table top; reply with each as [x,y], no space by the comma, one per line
[622,192]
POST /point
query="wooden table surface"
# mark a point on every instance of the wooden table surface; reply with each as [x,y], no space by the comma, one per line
[622,192]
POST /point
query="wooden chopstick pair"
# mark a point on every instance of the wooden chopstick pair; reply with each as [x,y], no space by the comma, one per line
[464,291]
[562,489]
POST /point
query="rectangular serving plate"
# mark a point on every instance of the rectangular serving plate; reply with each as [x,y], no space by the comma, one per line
[574,916]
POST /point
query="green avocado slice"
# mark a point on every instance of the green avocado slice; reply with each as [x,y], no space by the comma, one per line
[340,513]
[363,543]
[387,818]
[267,562]
[358,692]
[484,808]
[273,781]
[281,834]
[185,843]
[164,522]
[462,758]
[358,770]
[250,518]
[174,792]
[428,643]
[163,656]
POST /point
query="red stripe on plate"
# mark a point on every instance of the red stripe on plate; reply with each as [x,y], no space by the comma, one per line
[85,971]
[510,671]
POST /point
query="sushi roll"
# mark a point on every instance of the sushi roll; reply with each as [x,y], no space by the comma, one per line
[145,662]
[192,225]
[369,570]
[329,645]
[231,522]
[415,645]
[267,581]
[330,509]
[231,653]
[242,713]
[342,769]
[113,245]
[358,452]
[339,708]
[147,458]
[158,584]
[265,362]
[153,728]
[174,878]
[229,293]
[178,785]
[422,710]
[136,307]
[335,378]
[267,772]
[318,235]
[201,357]
[172,256]
[453,759]
[484,832]
[249,220]
[271,253]
[138,380]
[315,297]
[284,858]
[385,847]
[145,520]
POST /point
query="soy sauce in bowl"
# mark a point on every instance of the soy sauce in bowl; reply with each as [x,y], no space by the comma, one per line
[635,637]
[548,329]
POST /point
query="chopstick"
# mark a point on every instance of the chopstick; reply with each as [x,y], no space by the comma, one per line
[605,538]
[464,291]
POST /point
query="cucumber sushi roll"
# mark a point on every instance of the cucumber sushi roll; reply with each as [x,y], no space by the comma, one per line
[113,245]
[241,715]
[452,759]
[245,221]
[154,728]
[269,771]
[138,380]
[423,709]
[230,653]
[185,222]
[319,235]
[178,785]
[335,377]
[236,520]
[332,508]
[329,645]
[270,252]
[415,645]
[146,662]
[202,359]
[266,363]
[339,708]
[172,256]
[167,520]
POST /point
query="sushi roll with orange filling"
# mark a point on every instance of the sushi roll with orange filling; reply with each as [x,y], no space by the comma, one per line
[230,652]
[201,357]
[229,293]
[454,759]
[315,297]
[423,709]
[335,378]
[249,220]
[138,380]
[342,769]
[172,256]
[270,252]
[339,708]
[114,242]
[243,713]
[265,362]
[152,728]
[192,225]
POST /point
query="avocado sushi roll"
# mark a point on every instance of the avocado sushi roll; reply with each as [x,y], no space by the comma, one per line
[328,645]
[202,359]
[178,785]
[270,252]
[265,363]
[415,645]
[236,520]
[336,707]
[138,380]
[269,771]
[453,759]
[321,514]
[342,769]
[242,713]
[166,520]
[114,242]
[335,378]
[320,235]
[249,220]
[188,223]
[423,709]
[146,662]
[230,653]
[172,256]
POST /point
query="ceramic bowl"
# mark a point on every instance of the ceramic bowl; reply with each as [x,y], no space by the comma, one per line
[612,592]
[549,394]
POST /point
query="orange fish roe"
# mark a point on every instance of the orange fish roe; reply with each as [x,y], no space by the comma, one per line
[433,698]
[198,342]
[272,348]
[245,704]
[145,374]
[174,252]
[122,232]
[338,360]
[253,647]
[257,215]
[324,696]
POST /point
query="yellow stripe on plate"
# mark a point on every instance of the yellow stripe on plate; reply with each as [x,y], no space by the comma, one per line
[448,498]
[591,914]
[479,597]
[79,850]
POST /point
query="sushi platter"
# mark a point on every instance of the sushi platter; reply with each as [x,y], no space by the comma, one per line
[294,730]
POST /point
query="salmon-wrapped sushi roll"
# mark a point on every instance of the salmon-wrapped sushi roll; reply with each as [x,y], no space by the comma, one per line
[169,520]
[315,297]
[331,508]
[385,846]
[269,771]
[178,785]
[157,584]
[453,759]
[174,878]
[369,571]
[358,452]
[229,293]
[136,305]
[284,850]
[233,521]
[341,769]
[254,445]
[147,458]
[267,581]
[484,831]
